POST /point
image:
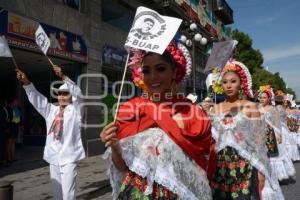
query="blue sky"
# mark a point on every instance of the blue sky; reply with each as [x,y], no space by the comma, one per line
[274,26]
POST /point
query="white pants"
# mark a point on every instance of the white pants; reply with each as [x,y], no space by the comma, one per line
[63,180]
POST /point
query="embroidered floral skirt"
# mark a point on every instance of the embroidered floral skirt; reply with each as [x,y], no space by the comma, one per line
[271,142]
[292,124]
[133,188]
[235,178]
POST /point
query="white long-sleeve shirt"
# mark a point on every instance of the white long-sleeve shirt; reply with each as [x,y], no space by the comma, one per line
[69,148]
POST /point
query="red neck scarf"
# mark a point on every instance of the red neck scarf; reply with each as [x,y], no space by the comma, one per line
[57,125]
[195,138]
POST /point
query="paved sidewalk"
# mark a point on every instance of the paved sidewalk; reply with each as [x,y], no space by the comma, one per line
[34,184]
[31,179]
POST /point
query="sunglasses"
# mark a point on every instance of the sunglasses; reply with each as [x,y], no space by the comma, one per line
[62,93]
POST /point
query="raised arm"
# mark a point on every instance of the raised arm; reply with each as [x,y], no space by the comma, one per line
[74,89]
[39,101]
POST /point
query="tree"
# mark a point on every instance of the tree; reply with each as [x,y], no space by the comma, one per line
[253,59]
[291,91]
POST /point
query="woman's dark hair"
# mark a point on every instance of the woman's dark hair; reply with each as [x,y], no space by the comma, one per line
[166,56]
[289,105]
[278,100]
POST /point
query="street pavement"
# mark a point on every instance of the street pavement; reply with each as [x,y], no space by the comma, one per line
[291,189]
[31,180]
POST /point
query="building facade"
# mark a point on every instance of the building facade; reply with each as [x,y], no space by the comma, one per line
[87,38]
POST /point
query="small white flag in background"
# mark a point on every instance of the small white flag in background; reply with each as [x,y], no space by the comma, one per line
[151,31]
[42,39]
[4,48]
[220,54]
[210,79]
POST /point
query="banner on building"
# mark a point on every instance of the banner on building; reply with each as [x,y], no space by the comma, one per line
[220,54]
[20,31]
[4,48]
[151,31]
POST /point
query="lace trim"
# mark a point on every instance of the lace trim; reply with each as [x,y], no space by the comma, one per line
[171,168]
[115,176]
[162,177]
[267,119]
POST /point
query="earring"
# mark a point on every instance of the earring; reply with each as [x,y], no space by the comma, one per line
[241,94]
[174,87]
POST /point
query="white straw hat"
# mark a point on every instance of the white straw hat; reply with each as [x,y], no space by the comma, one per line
[62,88]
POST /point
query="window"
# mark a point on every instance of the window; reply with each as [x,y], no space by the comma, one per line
[200,59]
[75,4]
[118,14]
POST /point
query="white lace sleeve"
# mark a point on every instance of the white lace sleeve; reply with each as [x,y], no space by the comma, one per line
[273,119]
[116,177]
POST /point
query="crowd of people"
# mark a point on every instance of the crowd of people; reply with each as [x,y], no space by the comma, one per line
[164,146]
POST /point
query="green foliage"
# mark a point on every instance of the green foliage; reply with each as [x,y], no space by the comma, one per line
[264,77]
[291,91]
[253,59]
[110,101]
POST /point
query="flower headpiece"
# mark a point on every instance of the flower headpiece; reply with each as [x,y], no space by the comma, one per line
[244,74]
[179,53]
[266,89]
[269,91]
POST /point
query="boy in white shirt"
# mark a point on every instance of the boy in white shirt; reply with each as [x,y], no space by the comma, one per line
[63,147]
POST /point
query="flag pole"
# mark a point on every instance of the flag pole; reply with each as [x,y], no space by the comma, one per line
[121,88]
[50,61]
[15,63]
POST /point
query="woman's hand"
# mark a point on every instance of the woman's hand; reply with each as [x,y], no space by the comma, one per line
[108,135]
[178,119]
[21,76]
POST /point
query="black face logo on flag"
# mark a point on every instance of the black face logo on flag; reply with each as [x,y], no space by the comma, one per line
[148,25]
[41,40]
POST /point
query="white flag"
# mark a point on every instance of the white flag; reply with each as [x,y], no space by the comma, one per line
[42,39]
[4,48]
[220,54]
[151,31]
[210,79]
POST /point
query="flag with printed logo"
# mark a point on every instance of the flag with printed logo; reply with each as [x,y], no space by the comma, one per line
[42,40]
[151,31]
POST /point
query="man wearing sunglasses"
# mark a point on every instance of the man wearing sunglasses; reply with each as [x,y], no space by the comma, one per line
[63,147]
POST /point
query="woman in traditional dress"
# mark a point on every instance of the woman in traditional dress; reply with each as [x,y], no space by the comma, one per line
[243,168]
[292,119]
[282,166]
[160,145]
[289,137]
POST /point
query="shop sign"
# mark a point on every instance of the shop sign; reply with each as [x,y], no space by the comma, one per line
[113,56]
[20,32]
